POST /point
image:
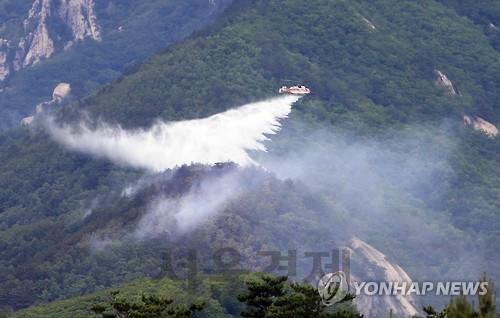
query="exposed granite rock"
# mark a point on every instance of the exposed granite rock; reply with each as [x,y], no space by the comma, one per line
[26,121]
[41,40]
[4,59]
[61,92]
[479,124]
[443,81]
[36,44]
[80,17]
[375,263]
[368,23]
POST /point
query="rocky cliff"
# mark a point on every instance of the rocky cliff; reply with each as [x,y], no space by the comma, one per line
[49,26]
[376,267]
[479,124]
[4,59]
[443,81]
[60,93]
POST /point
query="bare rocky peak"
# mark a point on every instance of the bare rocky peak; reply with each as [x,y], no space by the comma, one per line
[80,17]
[26,121]
[41,41]
[443,81]
[60,93]
[374,261]
[368,22]
[479,124]
[36,43]
[4,59]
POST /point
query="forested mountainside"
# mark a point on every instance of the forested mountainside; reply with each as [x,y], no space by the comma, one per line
[218,295]
[411,43]
[391,81]
[84,43]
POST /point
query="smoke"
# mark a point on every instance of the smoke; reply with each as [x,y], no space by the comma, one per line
[390,190]
[223,137]
[388,187]
[182,214]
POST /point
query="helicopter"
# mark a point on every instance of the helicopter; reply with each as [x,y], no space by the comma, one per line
[295,90]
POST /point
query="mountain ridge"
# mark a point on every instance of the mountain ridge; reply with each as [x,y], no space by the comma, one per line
[369,85]
[84,43]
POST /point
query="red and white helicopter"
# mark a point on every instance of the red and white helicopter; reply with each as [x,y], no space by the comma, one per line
[295,90]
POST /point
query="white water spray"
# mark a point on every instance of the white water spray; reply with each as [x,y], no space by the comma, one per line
[223,137]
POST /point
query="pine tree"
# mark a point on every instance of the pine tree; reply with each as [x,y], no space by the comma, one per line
[150,307]
[271,297]
[262,294]
[487,302]
[459,307]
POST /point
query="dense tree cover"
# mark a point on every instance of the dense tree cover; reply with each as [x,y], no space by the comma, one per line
[132,30]
[217,296]
[364,80]
[213,293]
[271,297]
[485,15]
[57,253]
[38,205]
[367,83]
[329,47]
[149,307]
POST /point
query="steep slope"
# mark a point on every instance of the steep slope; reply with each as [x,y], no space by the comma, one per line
[371,82]
[219,293]
[484,14]
[335,55]
[84,43]
[401,306]
[216,293]
[77,18]
[363,80]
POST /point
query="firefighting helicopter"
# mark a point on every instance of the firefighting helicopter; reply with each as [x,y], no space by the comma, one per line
[295,90]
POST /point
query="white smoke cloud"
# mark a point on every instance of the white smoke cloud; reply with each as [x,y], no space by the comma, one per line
[180,215]
[223,137]
[387,189]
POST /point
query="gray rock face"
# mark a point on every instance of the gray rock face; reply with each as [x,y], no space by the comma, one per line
[368,23]
[60,93]
[443,81]
[376,267]
[36,44]
[41,39]
[4,59]
[80,17]
[479,124]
